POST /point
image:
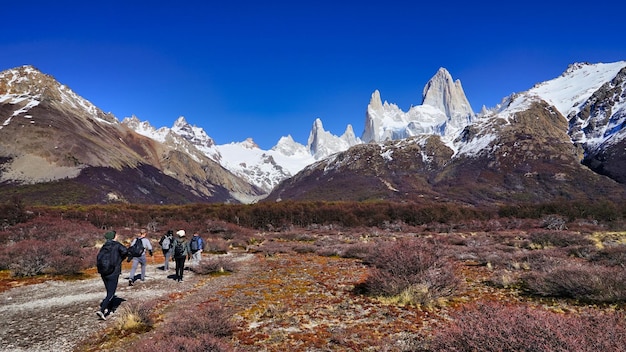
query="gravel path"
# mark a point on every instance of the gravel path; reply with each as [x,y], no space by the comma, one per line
[57,315]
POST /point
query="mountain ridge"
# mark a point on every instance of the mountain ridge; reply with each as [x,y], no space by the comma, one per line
[440,130]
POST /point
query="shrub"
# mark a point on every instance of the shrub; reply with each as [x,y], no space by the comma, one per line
[35,257]
[357,251]
[559,239]
[610,256]
[207,319]
[200,343]
[584,282]
[494,327]
[554,222]
[214,264]
[412,271]
[28,258]
[216,246]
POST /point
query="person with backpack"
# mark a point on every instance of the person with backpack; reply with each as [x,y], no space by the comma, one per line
[137,250]
[197,246]
[166,246]
[109,264]
[181,253]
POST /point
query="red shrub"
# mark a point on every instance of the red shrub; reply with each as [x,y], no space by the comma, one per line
[413,267]
[584,282]
[611,256]
[207,319]
[547,238]
[28,258]
[199,343]
[494,327]
[216,245]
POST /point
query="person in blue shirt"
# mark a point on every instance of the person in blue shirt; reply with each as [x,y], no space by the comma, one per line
[196,244]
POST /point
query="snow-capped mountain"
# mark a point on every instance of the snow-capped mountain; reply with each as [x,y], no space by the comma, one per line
[444,111]
[531,137]
[262,168]
[530,147]
[50,135]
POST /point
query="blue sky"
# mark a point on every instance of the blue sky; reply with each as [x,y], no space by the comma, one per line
[267,69]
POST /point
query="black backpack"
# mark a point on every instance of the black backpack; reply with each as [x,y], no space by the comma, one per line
[179,249]
[136,250]
[105,261]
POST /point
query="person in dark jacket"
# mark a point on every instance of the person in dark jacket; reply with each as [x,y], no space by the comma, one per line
[117,254]
[181,253]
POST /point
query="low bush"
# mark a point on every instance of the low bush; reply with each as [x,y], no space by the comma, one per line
[28,258]
[214,264]
[216,246]
[57,257]
[489,326]
[583,282]
[545,238]
[357,250]
[610,256]
[199,343]
[208,318]
[411,271]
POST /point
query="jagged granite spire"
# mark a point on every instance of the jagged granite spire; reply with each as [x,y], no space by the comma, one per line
[444,111]
[446,95]
[322,143]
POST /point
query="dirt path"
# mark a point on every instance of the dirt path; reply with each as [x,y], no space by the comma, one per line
[57,315]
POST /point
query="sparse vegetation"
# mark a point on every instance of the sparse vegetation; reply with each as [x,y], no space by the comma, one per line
[487,281]
[493,326]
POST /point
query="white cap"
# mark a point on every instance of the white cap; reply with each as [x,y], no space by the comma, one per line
[180,233]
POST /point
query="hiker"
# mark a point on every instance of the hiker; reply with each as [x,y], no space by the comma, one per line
[109,265]
[181,253]
[166,246]
[197,246]
[141,259]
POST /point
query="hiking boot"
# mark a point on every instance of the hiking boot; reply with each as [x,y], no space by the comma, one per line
[130,282]
[101,315]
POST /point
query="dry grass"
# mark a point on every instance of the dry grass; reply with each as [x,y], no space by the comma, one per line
[298,294]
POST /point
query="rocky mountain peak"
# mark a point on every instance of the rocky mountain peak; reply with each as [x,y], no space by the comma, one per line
[193,134]
[445,111]
[446,95]
[322,143]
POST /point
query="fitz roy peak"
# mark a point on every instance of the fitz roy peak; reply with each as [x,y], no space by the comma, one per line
[562,139]
[444,111]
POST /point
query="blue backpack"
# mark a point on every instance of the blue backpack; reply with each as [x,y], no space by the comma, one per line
[196,243]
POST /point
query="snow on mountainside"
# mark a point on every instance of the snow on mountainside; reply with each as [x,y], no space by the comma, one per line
[262,168]
[25,86]
[572,94]
[591,96]
[445,111]
[535,145]
[323,143]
